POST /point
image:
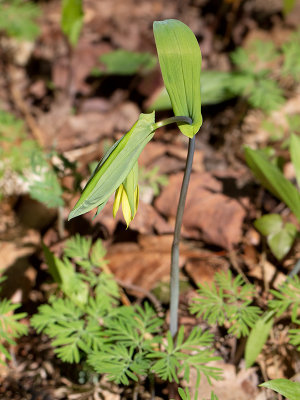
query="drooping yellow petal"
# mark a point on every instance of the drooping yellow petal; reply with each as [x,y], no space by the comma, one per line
[126,208]
[117,201]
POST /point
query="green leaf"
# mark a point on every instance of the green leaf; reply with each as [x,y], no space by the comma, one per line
[123,62]
[287,388]
[288,6]
[17,19]
[115,166]
[47,190]
[295,155]
[268,224]
[287,297]
[180,62]
[72,19]
[273,180]
[280,237]
[266,94]
[291,60]
[282,241]
[97,254]
[258,337]
[78,247]
[10,327]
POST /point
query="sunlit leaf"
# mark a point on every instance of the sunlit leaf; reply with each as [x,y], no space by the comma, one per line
[281,242]
[268,224]
[258,337]
[295,155]
[72,19]
[273,180]
[180,62]
[287,388]
[288,6]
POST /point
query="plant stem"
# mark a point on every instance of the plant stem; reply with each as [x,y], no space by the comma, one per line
[171,120]
[174,284]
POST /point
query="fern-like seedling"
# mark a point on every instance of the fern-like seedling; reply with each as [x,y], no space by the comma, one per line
[291,59]
[10,326]
[287,299]
[89,296]
[17,19]
[180,355]
[86,322]
[227,301]
[253,76]
[24,165]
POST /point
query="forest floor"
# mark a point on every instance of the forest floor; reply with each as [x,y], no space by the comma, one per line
[68,109]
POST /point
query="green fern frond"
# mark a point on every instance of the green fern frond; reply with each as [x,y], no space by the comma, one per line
[73,334]
[118,363]
[78,247]
[177,356]
[57,312]
[10,326]
[291,52]
[227,300]
[98,253]
[17,19]
[107,289]
[46,189]
[294,337]
[209,304]
[266,95]
[287,297]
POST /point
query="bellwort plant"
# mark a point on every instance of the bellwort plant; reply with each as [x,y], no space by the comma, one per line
[180,62]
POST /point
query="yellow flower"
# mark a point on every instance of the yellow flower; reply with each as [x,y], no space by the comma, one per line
[127,194]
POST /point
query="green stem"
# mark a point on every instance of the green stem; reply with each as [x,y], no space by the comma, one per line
[172,120]
[174,284]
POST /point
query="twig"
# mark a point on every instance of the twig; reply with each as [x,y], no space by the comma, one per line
[154,300]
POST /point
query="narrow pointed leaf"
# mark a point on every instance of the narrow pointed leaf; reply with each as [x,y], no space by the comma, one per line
[273,180]
[258,337]
[115,166]
[295,155]
[180,62]
[72,19]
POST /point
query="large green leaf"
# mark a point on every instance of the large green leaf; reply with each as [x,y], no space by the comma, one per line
[180,62]
[258,337]
[72,19]
[295,155]
[288,389]
[273,180]
[113,169]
